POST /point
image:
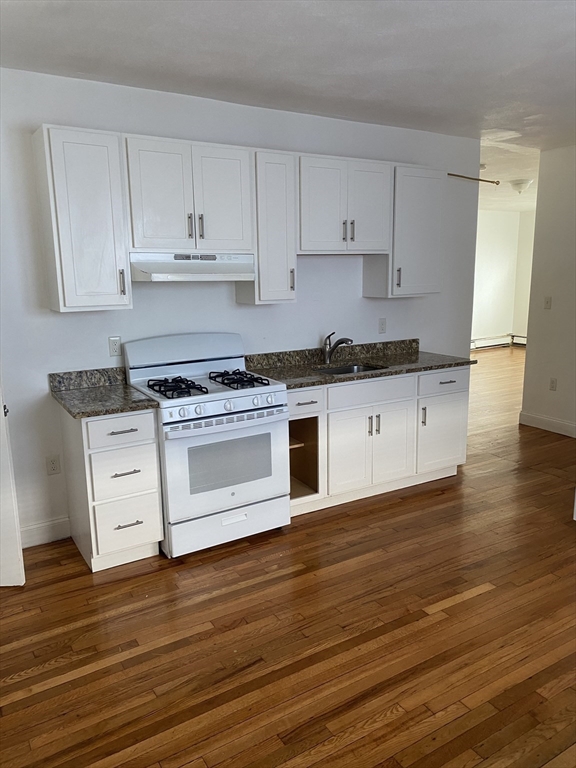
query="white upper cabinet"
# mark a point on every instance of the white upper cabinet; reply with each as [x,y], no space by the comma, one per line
[82,198]
[187,196]
[276,212]
[222,191]
[323,204]
[345,205]
[369,206]
[419,196]
[161,193]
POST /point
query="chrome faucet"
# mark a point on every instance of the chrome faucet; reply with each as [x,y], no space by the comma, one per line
[329,349]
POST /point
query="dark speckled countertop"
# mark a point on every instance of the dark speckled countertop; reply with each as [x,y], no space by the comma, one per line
[304,367]
[98,392]
[104,391]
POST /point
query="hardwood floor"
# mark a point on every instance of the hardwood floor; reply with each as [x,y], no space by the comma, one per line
[430,628]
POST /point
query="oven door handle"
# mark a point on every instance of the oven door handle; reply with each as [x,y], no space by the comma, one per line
[192,434]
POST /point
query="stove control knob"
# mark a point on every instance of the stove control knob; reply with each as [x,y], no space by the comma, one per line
[270,399]
[228,405]
[199,410]
[183,412]
[255,401]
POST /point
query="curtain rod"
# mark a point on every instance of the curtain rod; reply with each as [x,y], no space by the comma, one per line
[473,178]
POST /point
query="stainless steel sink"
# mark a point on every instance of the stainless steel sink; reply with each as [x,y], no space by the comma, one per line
[350,368]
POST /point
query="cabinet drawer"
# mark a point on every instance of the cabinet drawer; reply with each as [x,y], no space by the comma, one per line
[128,523]
[373,391]
[124,471]
[106,433]
[443,382]
[305,401]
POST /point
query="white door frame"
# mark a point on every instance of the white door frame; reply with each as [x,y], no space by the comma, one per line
[11,560]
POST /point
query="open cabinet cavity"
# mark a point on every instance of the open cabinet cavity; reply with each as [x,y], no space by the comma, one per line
[304,475]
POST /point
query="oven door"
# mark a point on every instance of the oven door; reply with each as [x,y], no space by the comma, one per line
[208,473]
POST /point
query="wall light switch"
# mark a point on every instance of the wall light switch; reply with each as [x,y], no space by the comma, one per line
[553,385]
[382,325]
[547,302]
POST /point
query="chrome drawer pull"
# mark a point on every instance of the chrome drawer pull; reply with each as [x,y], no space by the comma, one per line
[370,426]
[309,402]
[377,423]
[424,416]
[123,431]
[451,381]
[124,474]
[129,525]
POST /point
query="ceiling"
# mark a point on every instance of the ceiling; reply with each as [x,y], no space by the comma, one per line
[500,69]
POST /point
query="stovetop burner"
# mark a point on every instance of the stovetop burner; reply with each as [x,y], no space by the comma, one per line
[238,379]
[177,387]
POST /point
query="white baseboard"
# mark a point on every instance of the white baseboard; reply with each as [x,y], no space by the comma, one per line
[492,341]
[43,533]
[550,425]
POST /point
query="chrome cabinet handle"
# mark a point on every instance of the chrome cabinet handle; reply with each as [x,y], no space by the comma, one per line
[292,279]
[377,423]
[191,225]
[201,226]
[123,431]
[345,230]
[450,381]
[309,402]
[353,230]
[129,525]
[122,282]
[424,416]
[399,277]
[370,425]
[124,474]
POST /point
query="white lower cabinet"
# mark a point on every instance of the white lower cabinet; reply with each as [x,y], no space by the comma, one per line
[113,485]
[442,418]
[442,431]
[370,445]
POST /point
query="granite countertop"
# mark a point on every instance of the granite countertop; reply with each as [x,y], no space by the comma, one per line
[97,393]
[303,368]
[103,391]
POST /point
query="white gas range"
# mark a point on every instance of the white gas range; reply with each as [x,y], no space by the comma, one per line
[223,438]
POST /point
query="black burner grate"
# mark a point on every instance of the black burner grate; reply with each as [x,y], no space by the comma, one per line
[178,387]
[238,379]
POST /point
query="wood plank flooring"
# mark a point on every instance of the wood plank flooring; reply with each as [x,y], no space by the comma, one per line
[428,628]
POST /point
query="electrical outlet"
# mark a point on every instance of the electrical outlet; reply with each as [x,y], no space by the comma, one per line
[53,465]
[547,302]
[114,346]
[382,325]
[553,385]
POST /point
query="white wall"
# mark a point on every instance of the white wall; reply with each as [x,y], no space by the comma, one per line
[523,273]
[36,341]
[551,349]
[495,274]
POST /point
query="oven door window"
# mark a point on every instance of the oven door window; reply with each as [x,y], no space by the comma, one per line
[229,463]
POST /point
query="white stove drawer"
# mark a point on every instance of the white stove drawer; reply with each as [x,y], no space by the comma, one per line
[193,535]
[127,523]
[120,430]
[124,471]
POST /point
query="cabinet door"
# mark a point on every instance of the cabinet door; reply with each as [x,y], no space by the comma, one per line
[349,449]
[223,200]
[276,211]
[323,204]
[369,206]
[442,431]
[161,194]
[418,226]
[88,196]
[394,444]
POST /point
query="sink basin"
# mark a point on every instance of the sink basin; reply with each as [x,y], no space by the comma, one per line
[351,368]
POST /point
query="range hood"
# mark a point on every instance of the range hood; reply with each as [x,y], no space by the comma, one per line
[192,267]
